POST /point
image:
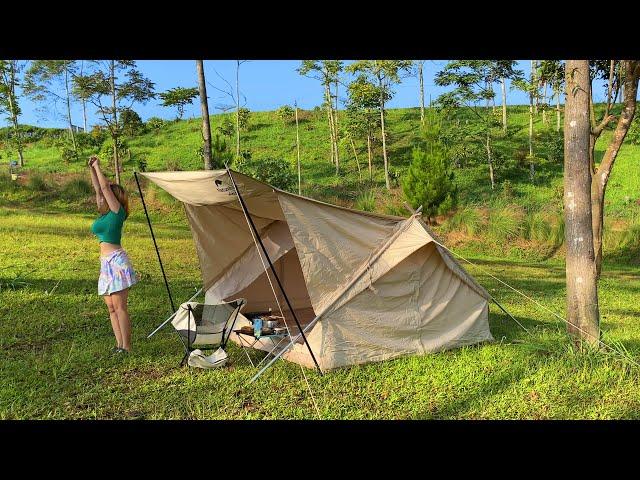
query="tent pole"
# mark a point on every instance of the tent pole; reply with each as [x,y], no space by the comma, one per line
[166,284]
[273,270]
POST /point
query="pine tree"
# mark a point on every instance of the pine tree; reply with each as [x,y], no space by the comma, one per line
[429,182]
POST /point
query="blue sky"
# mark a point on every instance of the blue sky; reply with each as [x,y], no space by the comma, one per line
[266,84]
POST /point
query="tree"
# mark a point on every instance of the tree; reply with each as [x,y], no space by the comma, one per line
[602,173]
[530,87]
[471,79]
[585,186]
[9,81]
[429,182]
[384,74]
[552,73]
[107,81]
[42,80]
[131,122]
[327,72]
[363,117]
[204,108]
[420,65]
[503,70]
[179,97]
[582,287]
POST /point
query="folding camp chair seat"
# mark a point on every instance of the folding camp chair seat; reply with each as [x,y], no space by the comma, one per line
[206,325]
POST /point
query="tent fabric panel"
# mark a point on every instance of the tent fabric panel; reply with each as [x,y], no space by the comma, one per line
[221,236]
[419,306]
[331,243]
[277,241]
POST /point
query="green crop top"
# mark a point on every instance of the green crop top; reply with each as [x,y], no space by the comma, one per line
[108,227]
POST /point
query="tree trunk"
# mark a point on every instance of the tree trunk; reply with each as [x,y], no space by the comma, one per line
[204,108]
[558,110]
[327,95]
[238,108]
[84,106]
[490,161]
[73,137]
[421,78]
[84,114]
[298,150]
[601,176]
[369,154]
[114,130]
[336,136]
[544,102]
[504,105]
[13,113]
[582,288]
[534,86]
[355,154]
[384,140]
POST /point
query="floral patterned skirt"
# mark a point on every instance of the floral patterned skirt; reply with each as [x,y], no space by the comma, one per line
[116,273]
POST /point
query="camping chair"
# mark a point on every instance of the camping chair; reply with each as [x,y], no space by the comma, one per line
[209,326]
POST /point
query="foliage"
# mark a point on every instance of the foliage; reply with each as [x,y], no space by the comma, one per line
[366,201]
[504,223]
[226,128]
[274,171]
[178,97]
[467,220]
[132,124]
[37,183]
[220,153]
[77,188]
[286,114]
[244,116]
[429,182]
[156,123]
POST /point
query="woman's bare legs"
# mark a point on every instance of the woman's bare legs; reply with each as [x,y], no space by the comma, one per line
[119,301]
[115,324]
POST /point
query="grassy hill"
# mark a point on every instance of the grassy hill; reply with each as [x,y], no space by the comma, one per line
[520,216]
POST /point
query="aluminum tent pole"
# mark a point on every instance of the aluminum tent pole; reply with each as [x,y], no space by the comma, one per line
[273,270]
[166,284]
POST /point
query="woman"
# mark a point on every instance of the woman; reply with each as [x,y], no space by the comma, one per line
[116,272]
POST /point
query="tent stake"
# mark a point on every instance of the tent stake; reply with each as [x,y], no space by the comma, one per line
[166,284]
[273,270]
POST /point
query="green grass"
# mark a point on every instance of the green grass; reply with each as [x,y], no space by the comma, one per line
[55,336]
[55,333]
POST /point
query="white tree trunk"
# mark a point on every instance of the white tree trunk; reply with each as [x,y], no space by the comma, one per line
[504,105]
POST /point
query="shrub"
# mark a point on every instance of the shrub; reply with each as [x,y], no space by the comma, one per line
[77,188]
[507,190]
[286,114]
[467,220]
[274,171]
[156,123]
[504,223]
[141,163]
[366,201]
[244,115]
[537,227]
[226,128]
[37,183]
[173,165]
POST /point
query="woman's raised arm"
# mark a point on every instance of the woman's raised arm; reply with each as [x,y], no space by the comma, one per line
[107,193]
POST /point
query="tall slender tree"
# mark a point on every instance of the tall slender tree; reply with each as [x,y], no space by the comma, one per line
[385,73]
[362,113]
[43,81]
[327,72]
[471,79]
[204,108]
[10,71]
[552,73]
[113,87]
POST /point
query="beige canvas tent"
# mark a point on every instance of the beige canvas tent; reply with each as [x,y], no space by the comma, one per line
[374,287]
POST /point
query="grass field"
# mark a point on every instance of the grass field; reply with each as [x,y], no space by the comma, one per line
[55,334]
[55,339]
